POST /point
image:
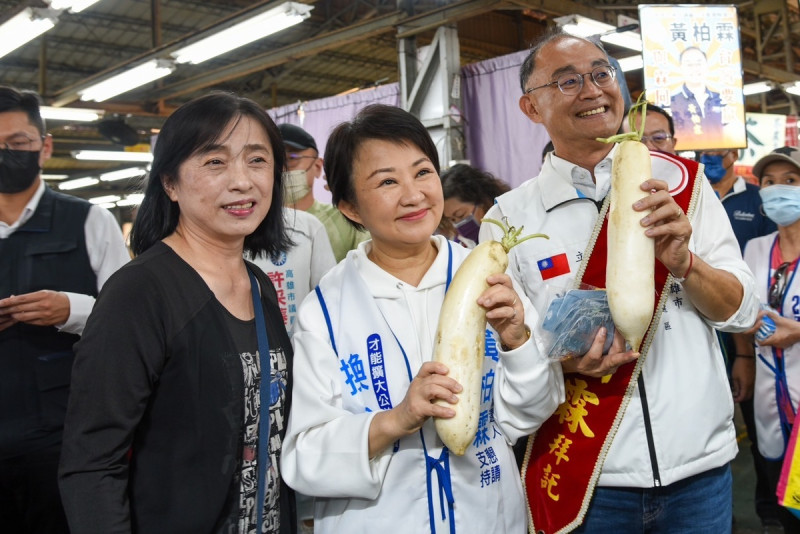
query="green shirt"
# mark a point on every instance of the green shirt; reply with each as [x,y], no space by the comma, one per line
[342,234]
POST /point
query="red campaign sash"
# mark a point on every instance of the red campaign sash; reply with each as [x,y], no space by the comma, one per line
[564,457]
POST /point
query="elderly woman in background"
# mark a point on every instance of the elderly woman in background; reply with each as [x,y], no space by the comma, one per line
[170,425]
[773,259]
[468,194]
[361,436]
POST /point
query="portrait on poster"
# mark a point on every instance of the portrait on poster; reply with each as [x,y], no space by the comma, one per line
[693,69]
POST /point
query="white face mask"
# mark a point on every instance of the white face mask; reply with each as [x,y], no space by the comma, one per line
[295,186]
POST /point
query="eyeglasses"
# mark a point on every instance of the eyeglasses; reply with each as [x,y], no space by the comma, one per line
[293,160]
[658,139]
[19,142]
[572,84]
[778,286]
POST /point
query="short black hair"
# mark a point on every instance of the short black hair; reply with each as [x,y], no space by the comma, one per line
[661,111]
[472,185]
[555,33]
[194,127]
[27,101]
[376,121]
[690,49]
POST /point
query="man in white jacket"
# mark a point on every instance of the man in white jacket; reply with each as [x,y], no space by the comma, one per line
[659,444]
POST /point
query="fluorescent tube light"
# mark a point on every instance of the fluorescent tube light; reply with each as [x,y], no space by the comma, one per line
[253,28]
[108,205]
[70,114]
[631,63]
[75,6]
[585,27]
[756,88]
[131,200]
[792,88]
[78,183]
[121,174]
[112,155]
[127,80]
[105,199]
[24,27]
[55,177]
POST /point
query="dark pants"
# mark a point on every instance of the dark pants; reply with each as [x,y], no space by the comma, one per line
[791,524]
[767,506]
[29,499]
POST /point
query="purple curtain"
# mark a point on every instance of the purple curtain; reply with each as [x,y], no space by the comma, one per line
[500,139]
[319,117]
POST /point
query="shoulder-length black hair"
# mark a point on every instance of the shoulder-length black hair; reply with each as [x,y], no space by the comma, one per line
[193,127]
[376,121]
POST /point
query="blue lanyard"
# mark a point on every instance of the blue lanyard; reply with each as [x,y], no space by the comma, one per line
[442,464]
[264,396]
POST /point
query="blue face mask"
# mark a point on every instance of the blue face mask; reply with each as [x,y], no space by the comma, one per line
[781,203]
[713,167]
[469,227]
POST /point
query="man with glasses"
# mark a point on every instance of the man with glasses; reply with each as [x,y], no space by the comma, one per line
[659,130]
[56,252]
[644,446]
[305,166]
[696,109]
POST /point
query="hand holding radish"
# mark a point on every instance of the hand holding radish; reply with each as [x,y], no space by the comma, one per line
[667,225]
[504,310]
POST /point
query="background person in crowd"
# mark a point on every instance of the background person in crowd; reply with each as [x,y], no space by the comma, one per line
[742,203]
[56,252]
[675,438]
[696,109]
[374,461]
[304,166]
[170,425]
[468,194]
[298,270]
[773,259]
[659,130]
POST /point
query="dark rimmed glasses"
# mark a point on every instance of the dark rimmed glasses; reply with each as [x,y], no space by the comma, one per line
[571,84]
[778,286]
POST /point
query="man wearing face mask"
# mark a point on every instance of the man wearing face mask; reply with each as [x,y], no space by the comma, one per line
[304,166]
[742,202]
[56,252]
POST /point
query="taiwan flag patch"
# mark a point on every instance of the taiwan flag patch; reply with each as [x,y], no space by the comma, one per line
[553,266]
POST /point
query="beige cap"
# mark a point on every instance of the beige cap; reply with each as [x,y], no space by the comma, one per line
[789,154]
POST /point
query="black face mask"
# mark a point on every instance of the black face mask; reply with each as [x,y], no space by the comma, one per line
[18,170]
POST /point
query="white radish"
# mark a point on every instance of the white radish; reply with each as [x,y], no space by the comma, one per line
[460,335]
[630,281]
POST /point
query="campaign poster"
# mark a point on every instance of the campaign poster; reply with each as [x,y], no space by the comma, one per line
[693,69]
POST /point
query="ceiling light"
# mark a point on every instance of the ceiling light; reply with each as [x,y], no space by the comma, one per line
[585,27]
[55,177]
[131,200]
[112,155]
[70,114]
[75,6]
[24,27]
[127,80]
[756,88]
[631,63]
[252,28]
[121,174]
[792,88]
[78,183]
[105,199]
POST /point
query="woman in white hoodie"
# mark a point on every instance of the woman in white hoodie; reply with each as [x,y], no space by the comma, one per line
[360,437]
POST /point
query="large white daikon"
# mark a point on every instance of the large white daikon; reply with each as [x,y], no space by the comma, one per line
[460,335]
[631,254]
